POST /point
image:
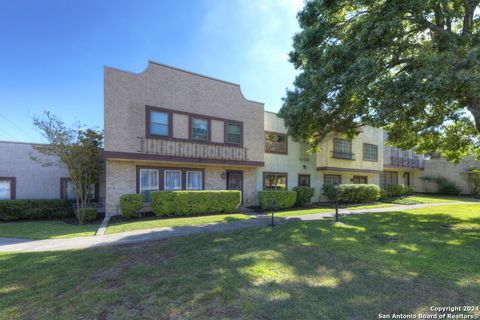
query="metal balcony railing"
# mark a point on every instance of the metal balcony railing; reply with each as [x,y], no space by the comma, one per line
[343,155]
[406,162]
[190,149]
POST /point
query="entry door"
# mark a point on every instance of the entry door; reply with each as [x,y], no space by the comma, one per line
[235,181]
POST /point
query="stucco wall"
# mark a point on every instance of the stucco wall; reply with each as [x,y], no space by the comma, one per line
[33,181]
[126,95]
[121,179]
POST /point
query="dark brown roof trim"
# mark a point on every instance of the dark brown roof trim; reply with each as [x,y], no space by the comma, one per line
[157,157]
[347,170]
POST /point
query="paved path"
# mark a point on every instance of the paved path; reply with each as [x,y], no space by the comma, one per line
[27,245]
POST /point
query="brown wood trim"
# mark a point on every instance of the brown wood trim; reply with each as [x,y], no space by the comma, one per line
[363,151]
[161,177]
[304,175]
[225,133]
[157,157]
[275,173]
[13,186]
[190,115]
[348,169]
[277,133]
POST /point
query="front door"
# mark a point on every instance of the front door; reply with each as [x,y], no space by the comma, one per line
[235,181]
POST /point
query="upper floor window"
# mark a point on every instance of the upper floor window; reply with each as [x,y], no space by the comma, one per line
[342,149]
[276,142]
[370,152]
[199,129]
[159,123]
[234,133]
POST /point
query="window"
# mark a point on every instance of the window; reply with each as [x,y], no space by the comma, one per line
[148,182]
[194,180]
[234,133]
[173,180]
[370,152]
[332,179]
[360,180]
[274,181]
[159,123]
[342,149]
[199,129]
[68,191]
[7,188]
[388,178]
[276,142]
[304,180]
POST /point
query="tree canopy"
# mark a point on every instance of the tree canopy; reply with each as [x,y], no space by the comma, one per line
[409,66]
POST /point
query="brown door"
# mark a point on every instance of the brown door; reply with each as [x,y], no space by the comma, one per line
[235,181]
[407,178]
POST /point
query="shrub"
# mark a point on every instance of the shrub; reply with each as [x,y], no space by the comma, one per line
[329,191]
[445,186]
[35,209]
[185,203]
[131,204]
[396,190]
[357,193]
[279,199]
[89,214]
[304,195]
[473,180]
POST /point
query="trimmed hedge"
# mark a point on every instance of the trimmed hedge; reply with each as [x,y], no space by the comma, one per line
[131,204]
[397,190]
[35,209]
[353,193]
[279,199]
[89,214]
[186,203]
[304,195]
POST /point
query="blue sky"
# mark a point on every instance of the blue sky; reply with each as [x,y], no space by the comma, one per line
[53,52]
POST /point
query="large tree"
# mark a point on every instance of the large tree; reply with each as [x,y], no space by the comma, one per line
[77,148]
[409,66]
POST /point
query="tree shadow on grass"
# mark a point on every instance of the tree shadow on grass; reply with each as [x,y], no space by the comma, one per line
[369,264]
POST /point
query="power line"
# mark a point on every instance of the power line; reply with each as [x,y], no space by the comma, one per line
[24,132]
[7,135]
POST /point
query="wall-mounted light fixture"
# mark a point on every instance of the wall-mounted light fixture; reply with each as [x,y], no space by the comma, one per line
[304,167]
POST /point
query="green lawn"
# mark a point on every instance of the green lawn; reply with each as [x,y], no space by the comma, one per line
[366,265]
[296,212]
[440,199]
[117,227]
[46,230]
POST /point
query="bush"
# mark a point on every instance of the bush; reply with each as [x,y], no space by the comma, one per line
[396,190]
[445,186]
[89,214]
[329,191]
[353,193]
[279,199]
[304,195]
[131,204]
[185,203]
[35,209]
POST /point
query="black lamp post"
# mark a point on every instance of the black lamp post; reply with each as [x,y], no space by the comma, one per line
[270,205]
[336,202]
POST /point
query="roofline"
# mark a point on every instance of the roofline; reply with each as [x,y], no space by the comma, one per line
[189,72]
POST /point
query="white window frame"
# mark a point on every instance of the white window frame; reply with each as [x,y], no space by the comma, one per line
[10,183]
[201,179]
[165,180]
[140,182]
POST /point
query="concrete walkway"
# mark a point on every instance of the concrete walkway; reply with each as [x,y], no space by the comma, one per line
[27,245]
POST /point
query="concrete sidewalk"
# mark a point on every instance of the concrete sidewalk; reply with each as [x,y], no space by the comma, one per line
[27,245]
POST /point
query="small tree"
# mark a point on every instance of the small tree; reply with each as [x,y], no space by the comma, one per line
[473,180]
[77,148]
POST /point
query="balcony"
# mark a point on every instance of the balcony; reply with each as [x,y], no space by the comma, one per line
[343,155]
[408,162]
[188,149]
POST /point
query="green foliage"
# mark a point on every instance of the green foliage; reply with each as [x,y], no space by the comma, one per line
[353,193]
[77,148]
[279,199]
[329,191]
[186,203]
[409,66]
[396,190]
[35,209]
[131,204]
[89,214]
[406,201]
[445,186]
[304,195]
[473,180]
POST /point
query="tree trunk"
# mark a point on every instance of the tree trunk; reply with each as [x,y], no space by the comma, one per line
[474,108]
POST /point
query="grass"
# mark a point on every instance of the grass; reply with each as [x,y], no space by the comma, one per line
[298,212]
[366,265]
[46,230]
[124,226]
[440,199]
